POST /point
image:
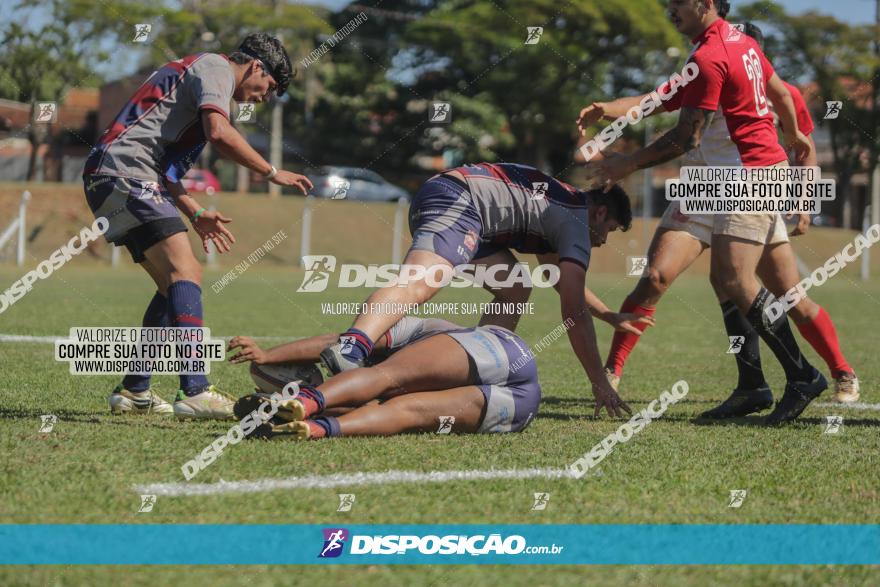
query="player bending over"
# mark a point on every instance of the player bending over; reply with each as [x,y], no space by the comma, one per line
[735,76]
[437,377]
[476,214]
[681,238]
[132,177]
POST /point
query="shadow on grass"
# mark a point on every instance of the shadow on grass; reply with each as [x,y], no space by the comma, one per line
[759,421]
[85,417]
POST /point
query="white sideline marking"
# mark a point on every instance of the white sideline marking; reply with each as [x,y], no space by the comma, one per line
[345,480]
[854,406]
[52,339]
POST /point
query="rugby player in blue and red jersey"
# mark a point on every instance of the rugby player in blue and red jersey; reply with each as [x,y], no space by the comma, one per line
[132,178]
[476,214]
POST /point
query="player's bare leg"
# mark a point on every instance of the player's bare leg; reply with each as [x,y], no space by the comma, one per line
[670,254]
[778,270]
[459,409]
[734,264]
[436,363]
[516,294]
[384,308]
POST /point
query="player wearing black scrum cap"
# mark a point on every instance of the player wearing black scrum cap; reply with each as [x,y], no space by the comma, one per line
[133,178]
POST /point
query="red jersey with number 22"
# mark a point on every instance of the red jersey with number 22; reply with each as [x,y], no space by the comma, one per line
[733,75]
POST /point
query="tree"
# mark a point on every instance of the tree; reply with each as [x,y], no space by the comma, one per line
[586,50]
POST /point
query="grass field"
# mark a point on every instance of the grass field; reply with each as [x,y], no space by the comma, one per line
[674,471]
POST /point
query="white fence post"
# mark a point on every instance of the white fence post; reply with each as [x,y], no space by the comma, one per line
[306,234]
[397,236]
[22,206]
[211,257]
[866,254]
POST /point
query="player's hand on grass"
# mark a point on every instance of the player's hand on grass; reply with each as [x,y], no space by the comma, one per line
[800,143]
[607,398]
[626,322]
[209,227]
[250,350]
[301,182]
[803,225]
[590,116]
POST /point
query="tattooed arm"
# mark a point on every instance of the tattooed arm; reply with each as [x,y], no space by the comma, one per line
[687,134]
[692,123]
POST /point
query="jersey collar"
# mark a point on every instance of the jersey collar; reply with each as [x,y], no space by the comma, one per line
[710,30]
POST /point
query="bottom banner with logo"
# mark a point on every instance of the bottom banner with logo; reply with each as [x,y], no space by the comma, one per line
[183,544]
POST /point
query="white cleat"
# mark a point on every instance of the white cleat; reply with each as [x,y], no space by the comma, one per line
[613,379]
[846,389]
[210,404]
[123,401]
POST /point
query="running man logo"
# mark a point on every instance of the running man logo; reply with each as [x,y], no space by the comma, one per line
[735,32]
[539,189]
[346,501]
[318,270]
[334,540]
[833,424]
[541,501]
[149,190]
[636,266]
[141,33]
[736,344]
[246,112]
[47,423]
[440,112]
[832,109]
[446,423]
[340,189]
[533,34]
[45,112]
[147,503]
[737,497]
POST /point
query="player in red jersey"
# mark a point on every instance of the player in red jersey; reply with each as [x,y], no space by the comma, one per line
[681,238]
[734,76]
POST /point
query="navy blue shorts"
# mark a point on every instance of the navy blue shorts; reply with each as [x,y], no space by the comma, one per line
[507,376]
[127,202]
[444,220]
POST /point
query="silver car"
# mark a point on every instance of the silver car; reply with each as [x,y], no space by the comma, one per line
[354,183]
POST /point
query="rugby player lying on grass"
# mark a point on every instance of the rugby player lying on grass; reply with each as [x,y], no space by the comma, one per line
[437,377]
[476,214]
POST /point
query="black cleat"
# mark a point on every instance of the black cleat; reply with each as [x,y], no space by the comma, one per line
[741,402]
[797,396]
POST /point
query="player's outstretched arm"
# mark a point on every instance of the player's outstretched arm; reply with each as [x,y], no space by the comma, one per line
[605,111]
[305,350]
[687,134]
[619,321]
[234,147]
[582,336]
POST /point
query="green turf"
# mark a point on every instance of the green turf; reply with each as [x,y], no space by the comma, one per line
[674,471]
